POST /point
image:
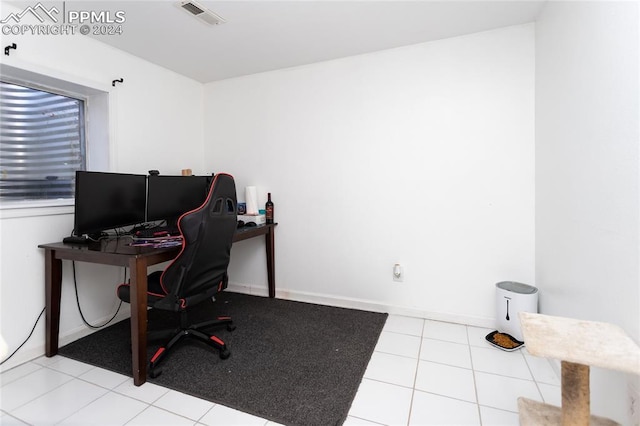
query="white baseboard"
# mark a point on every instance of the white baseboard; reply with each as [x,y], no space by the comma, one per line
[367,305]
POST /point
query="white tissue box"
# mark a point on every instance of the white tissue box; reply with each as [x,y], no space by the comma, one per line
[258,219]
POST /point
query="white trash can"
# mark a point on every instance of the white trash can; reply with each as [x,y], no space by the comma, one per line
[511,298]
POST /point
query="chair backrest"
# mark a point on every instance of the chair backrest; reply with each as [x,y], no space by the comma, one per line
[200,269]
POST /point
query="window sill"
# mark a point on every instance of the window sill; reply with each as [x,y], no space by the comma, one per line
[18,209]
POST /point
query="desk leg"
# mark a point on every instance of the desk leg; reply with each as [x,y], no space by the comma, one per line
[53,285]
[138,268]
[271,273]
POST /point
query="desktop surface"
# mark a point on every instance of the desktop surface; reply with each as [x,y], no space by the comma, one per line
[119,245]
[123,245]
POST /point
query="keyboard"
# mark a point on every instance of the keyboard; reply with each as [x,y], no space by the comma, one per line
[156,232]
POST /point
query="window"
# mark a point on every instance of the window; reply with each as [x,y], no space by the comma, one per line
[42,143]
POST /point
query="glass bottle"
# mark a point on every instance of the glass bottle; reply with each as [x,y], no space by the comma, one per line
[269,209]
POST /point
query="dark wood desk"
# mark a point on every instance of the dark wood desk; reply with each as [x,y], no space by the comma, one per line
[117,252]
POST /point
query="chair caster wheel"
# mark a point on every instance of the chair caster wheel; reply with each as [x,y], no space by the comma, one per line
[224,354]
[231,327]
[155,373]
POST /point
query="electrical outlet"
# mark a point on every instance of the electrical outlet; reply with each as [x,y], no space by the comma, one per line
[398,273]
[633,402]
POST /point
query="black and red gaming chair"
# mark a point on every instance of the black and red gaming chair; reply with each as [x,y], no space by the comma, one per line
[198,272]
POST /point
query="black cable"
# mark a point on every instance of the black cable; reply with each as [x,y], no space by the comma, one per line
[25,340]
[75,285]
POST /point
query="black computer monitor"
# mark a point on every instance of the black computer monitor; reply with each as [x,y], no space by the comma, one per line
[108,200]
[168,197]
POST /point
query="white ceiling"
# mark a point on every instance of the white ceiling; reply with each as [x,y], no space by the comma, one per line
[266,35]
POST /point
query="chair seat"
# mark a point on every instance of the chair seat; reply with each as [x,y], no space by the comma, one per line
[154,289]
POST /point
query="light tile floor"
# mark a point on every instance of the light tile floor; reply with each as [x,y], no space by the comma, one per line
[422,373]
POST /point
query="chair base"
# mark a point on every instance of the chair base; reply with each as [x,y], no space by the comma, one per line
[193,331]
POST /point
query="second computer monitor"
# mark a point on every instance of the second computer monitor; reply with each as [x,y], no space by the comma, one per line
[168,197]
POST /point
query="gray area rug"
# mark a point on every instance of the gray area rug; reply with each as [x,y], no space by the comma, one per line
[291,362]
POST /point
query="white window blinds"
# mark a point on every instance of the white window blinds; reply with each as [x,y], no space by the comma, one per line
[41,143]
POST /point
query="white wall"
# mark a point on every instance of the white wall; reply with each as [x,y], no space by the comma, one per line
[422,155]
[156,123]
[587,173]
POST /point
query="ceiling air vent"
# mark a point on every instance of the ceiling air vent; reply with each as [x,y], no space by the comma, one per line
[202,13]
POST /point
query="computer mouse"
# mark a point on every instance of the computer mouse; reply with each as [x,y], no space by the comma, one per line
[250,224]
[240,224]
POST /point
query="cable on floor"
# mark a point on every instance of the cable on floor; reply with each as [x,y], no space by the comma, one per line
[79,309]
[25,340]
